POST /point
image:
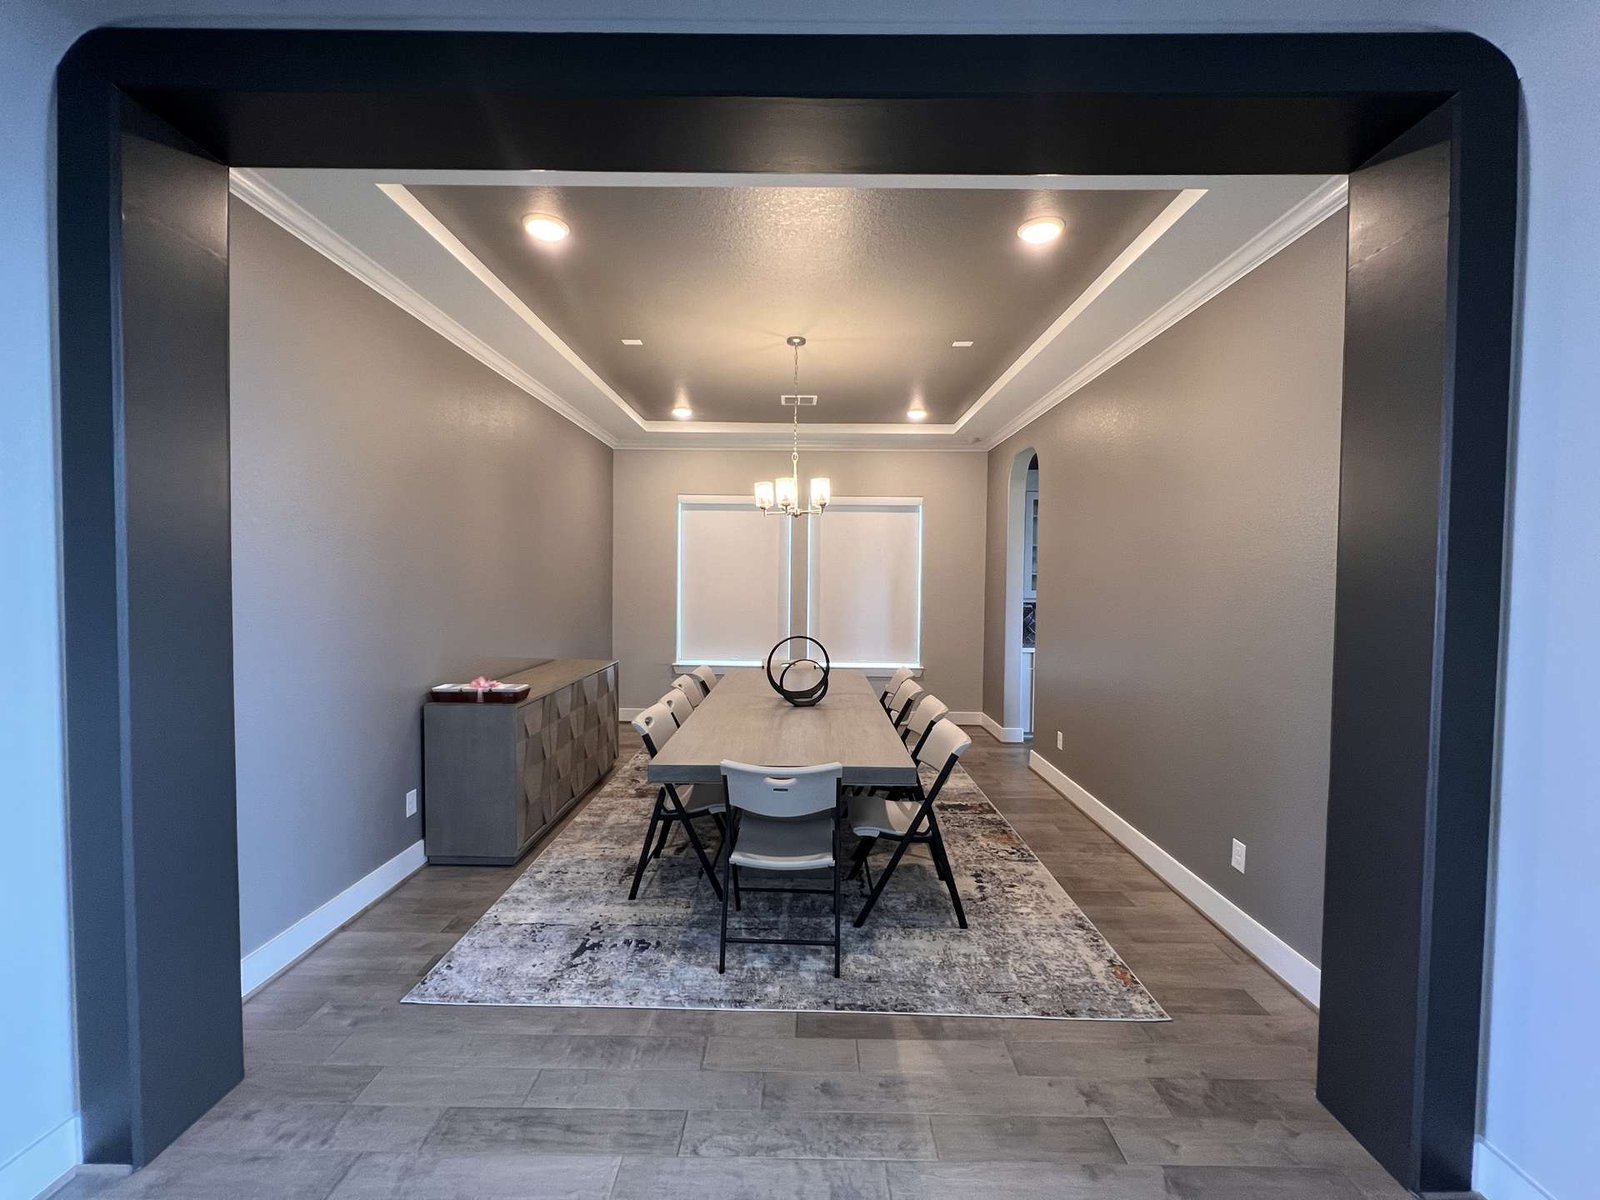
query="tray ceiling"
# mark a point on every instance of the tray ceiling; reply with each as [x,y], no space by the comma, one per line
[881,281]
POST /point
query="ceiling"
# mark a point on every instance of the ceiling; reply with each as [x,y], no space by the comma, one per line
[880,281]
[712,271]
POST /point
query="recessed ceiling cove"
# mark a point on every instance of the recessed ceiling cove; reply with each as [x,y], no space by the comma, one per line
[684,295]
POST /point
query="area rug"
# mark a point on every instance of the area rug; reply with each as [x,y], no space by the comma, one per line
[566,934]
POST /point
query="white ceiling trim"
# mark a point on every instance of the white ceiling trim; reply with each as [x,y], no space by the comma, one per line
[279,208]
[457,249]
[1131,253]
[1281,233]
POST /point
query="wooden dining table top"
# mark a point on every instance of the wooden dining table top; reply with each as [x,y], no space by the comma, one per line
[744,720]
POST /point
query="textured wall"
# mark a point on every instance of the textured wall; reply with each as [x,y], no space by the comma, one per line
[951,483]
[402,516]
[1188,509]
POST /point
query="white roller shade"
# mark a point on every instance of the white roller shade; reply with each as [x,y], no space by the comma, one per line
[733,580]
[865,581]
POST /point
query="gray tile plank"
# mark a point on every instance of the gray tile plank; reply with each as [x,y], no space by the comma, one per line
[182,1174]
[557,1088]
[602,1052]
[1024,1139]
[1025,1181]
[968,1057]
[339,1084]
[749,1179]
[1233,1141]
[1259,1183]
[556,1131]
[450,1087]
[291,1046]
[1164,1061]
[793,1054]
[1252,1098]
[488,1176]
[769,1134]
[996,1095]
[905,1027]
[391,1129]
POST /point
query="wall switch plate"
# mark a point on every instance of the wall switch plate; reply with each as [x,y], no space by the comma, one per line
[1238,856]
[1059,746]
[411,803]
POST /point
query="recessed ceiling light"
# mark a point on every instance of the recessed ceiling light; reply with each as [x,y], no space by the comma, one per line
[682,411]
[961,345]
[916,413]
[1040,230]
[543,227]
[633,341]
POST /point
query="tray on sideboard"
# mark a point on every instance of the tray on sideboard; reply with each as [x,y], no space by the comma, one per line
[460,693]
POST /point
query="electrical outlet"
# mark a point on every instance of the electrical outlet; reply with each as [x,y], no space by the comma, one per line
[1059,746]
[411,803]
[1238,856]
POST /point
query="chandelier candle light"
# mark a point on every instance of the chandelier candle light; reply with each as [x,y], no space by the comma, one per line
[784,498]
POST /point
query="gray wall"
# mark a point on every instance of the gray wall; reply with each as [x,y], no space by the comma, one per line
[1186,557]
[951,484]
[402,516]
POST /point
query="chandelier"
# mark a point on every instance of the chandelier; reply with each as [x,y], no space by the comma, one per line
[783,498]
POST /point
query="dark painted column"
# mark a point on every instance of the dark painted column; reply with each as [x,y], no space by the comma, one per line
[1414,661]
[156,886]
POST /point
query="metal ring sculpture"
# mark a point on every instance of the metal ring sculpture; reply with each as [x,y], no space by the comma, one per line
[803,697]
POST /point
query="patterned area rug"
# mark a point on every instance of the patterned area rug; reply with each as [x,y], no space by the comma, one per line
[566,934]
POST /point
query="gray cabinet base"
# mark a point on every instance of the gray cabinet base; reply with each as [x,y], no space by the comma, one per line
[497,777]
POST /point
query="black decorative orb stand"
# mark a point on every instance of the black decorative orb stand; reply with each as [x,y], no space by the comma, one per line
[810,683]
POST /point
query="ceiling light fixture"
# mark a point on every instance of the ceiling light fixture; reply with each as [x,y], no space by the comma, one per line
[1041,230]
[542,227]
[961,345]
[682,411]
[783,497]
[633,341]
[916,413]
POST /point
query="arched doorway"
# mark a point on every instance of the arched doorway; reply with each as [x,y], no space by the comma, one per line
[1022,571]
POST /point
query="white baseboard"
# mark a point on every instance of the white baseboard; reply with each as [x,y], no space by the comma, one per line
[41,1168]
[964,718]
[1000,733]
[263,963]
[1496,1177]
[1282,959]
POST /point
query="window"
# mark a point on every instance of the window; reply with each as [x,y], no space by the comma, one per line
[733,580]
[864,581]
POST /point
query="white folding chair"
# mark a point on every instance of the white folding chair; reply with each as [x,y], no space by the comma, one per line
[781,819]
[911,821]
[675,805]
[678,704]
[893,686]
[903,701]
[691,687]
[920,723]
[706,676]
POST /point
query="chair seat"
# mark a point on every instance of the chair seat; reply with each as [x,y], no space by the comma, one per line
[702,798]
[878,816]
[770,844]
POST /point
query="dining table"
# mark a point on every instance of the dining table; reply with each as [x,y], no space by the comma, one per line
[744,720]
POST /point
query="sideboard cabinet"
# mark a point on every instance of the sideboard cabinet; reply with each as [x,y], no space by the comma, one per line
[498,776]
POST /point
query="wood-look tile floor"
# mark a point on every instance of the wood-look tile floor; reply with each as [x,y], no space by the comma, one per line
[349,1095]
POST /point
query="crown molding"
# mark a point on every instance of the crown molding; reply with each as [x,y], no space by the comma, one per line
[283,211]
[1119,266]
[503,292]
[1277,236]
